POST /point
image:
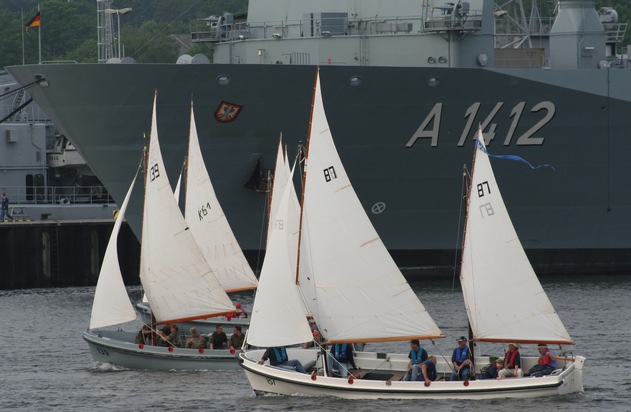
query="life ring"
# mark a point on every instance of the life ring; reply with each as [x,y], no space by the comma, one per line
[65,201]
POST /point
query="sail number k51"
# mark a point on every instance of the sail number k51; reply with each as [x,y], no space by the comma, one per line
[203,211]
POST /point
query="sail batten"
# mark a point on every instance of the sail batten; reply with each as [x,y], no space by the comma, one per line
[503,297]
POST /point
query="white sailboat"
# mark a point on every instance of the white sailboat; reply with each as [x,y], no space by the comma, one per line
[178,283]
[211,231]
[356,294]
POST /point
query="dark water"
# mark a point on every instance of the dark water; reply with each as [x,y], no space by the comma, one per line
[47,366]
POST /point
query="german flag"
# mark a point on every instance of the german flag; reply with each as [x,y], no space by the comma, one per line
[36,21]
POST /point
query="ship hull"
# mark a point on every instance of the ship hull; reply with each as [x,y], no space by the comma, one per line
[404,135]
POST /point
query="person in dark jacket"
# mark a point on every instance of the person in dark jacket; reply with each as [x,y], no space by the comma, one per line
[341,358]
[278,357]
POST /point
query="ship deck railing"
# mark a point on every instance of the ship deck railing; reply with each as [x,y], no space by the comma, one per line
[59,195]
[339,24]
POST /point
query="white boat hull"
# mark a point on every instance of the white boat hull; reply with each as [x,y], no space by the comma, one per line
[204,326]
[267,379]
[118,348]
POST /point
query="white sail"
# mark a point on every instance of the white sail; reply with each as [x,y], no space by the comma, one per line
[504,299]
[358,293]
[281,177]
[176,192]
[111,305]
[278,317]
[209,224]
[176,278]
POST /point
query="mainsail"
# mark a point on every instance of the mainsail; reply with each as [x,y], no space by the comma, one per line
[504,299]
[111,305]
[176,278]
[354,290]
[209,224]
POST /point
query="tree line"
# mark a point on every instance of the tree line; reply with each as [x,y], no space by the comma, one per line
[69,27]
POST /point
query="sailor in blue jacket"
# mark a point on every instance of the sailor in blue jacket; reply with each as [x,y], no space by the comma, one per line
[341,358]
[461,360]
[278,357]
[417,356]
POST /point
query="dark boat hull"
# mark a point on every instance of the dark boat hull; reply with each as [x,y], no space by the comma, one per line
[404,135]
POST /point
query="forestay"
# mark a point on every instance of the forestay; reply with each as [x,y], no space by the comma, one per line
[209,224]
[504,299]
[178,282]
[358,292]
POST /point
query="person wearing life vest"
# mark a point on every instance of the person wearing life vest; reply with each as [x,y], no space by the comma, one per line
[278,357]
[341,359]
[417,356]
[546,364]
[512,360]
[461,360]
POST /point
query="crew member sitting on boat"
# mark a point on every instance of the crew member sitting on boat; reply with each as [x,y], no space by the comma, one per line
[144,335]
[461,360]
[547,362]
[241,313]
[237,338]
[278,357]
[218,340]
[490,371]
[196,341]
[417,356]
[173,338]
[512,360]
[340,359]
[428,369]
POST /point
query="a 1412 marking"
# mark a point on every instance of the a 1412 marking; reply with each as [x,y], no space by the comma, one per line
[489,127]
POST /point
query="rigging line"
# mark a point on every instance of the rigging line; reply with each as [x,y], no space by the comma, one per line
[442,355]
[17,109]
[463,199]
[27,86]
[268,193]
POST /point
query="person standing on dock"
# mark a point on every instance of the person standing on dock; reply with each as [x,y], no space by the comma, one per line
[4,211]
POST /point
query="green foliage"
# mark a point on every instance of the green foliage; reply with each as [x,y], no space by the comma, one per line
[69,31]
[69,27]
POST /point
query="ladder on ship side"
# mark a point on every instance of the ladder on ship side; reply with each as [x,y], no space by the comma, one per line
[18,100]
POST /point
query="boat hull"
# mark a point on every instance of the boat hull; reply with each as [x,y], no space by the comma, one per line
[118,348]
[411,125]
[266,379]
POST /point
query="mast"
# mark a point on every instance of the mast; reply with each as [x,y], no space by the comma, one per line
[304,173]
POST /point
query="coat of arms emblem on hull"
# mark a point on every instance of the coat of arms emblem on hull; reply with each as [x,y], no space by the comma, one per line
[227,112]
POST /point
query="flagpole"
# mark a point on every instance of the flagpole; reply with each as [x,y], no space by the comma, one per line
[22,31]
[40,38]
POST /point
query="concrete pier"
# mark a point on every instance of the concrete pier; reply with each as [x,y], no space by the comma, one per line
[50,253]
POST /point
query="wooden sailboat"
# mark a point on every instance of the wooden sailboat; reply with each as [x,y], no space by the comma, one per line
[355,293]
[179,284]
[211,231]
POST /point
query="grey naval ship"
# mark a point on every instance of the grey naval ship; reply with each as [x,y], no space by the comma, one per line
[405,84]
